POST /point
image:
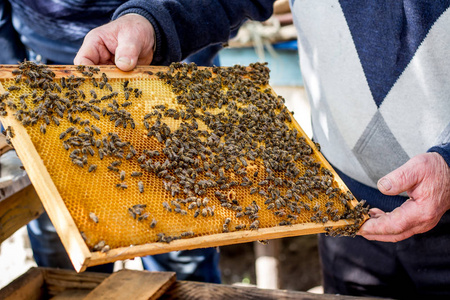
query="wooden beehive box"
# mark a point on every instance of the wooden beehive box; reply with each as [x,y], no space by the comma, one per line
[55,284]
[159,159]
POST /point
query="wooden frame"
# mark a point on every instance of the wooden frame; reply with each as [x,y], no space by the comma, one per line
[65,226]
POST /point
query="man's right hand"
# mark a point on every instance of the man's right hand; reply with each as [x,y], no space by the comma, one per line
[126,42]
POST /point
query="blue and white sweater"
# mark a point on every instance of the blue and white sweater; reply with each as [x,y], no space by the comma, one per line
[377,72]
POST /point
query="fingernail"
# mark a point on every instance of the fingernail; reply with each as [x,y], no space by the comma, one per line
[124,60]
[385,183]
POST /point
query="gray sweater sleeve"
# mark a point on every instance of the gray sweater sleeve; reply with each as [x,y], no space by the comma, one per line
[183,27]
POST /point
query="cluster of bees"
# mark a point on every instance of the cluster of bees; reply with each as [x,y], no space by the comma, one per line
[233,135]
[243,124]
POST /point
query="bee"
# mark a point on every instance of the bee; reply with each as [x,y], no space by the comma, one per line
[92,168]
[126,104]
[153,223]
[316,207]
[55,120]
[136,174]
[167,206]
[122,175]
[143,217]
[14,88]
[240,226]
[93,217]
[105,249]
[99,245]
[197,212]
[43,128]
[187,234]
[116,163]
[121,186]
[141,186]
[254,225]
[78,163]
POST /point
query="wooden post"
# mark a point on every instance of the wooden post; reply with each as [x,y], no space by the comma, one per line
[266,264]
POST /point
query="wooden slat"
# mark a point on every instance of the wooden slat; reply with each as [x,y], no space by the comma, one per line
[28,286]
[111,71]
[130,284]
[58,281]
[71,294]
[17,210]
[220,239]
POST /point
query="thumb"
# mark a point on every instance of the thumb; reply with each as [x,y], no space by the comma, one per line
[127,51]
[400,180]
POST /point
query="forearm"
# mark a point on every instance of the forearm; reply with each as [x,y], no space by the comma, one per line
[12,50]
[183,27]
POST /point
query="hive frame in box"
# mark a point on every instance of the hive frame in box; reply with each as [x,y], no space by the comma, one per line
[66,228]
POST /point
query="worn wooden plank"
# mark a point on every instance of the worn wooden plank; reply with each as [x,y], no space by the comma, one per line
[130,284]
[71,294]
[57,281]
[28,286]
[219,239]
[17,210]
[204,291]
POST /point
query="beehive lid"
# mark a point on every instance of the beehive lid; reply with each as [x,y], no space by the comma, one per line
[168,158]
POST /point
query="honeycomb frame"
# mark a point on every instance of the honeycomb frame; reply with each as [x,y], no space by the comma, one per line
[53,197]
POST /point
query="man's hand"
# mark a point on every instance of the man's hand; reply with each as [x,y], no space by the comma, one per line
[426,180]
[126,42]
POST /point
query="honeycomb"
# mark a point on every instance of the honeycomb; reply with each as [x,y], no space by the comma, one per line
[181,153]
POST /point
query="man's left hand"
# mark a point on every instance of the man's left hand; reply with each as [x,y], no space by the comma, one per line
[426,180]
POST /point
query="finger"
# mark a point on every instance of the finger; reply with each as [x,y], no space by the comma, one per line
[375,212]
[83,61]
[93,51]
[128,50]
[401,179]
[401,223]
[134,44]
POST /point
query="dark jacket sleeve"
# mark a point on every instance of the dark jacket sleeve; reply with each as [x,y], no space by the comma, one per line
[183,27]
[444,150]
[12,49]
